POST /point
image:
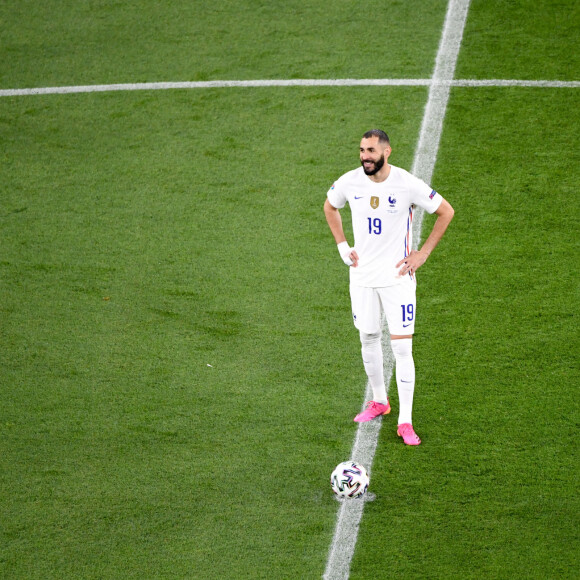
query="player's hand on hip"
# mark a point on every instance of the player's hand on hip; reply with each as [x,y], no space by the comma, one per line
[411,263]
[348,255]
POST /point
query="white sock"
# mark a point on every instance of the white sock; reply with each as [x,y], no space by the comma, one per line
[405,374]
[372,355]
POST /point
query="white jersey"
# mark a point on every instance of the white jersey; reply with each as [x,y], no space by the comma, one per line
[382,218]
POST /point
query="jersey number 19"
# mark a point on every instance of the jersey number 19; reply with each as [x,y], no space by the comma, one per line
[375,226]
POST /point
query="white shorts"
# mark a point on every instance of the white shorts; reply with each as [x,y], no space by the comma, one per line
[398,302]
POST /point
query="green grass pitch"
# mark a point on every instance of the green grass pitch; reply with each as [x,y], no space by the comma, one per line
[178,367]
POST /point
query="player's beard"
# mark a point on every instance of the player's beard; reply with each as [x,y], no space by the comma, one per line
[376,167]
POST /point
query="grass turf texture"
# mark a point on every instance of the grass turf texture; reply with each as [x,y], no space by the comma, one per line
[135,261]
[145,236]
[521,39]
[110,42]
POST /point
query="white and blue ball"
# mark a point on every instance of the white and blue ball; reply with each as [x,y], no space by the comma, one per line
[349,480]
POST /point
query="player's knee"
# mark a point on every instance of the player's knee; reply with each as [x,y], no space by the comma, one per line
[372,339]
[402,347]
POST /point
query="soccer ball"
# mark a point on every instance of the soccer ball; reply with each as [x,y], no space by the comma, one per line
[349,479]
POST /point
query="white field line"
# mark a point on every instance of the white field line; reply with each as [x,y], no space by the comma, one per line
[164,86]
[350,512]
[516,83]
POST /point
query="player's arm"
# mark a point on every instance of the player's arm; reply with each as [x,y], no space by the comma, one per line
[418,257]
[334,221]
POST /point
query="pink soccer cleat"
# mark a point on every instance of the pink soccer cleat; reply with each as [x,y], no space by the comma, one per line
[406,431]
[372,411]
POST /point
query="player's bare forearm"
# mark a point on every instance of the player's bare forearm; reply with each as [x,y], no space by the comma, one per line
[418,257]
[348,254]
[445,214]
[334,222]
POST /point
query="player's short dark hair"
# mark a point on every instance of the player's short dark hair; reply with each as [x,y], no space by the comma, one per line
[383,137]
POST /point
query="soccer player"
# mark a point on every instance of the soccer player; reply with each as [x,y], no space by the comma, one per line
[383,266]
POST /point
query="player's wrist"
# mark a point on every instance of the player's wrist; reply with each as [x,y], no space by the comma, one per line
[345,250]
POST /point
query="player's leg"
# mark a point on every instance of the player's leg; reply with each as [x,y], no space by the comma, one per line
[405,376]
[399,303]
[372,355]
[366,310]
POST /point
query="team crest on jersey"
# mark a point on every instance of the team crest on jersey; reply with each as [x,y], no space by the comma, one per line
[392,201]
[374,202]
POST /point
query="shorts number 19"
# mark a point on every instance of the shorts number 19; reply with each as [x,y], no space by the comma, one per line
[407,312]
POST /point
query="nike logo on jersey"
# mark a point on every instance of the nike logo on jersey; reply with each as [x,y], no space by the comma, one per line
[359,197]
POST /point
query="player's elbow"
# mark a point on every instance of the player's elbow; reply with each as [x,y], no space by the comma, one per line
[446,210]
[329,208]
[451,212]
